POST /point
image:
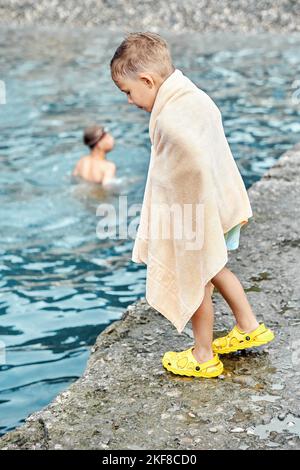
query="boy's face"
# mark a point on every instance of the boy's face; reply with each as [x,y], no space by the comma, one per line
[142,90]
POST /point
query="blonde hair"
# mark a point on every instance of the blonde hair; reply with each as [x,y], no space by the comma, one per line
[141,52]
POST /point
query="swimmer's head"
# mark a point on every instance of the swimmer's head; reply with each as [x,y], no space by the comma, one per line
[98,137]
[140,65]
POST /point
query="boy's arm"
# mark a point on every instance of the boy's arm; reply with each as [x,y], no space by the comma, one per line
[109,173]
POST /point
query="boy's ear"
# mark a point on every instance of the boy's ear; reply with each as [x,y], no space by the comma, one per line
[147,79]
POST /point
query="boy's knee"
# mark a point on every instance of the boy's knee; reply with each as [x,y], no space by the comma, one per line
[209,288]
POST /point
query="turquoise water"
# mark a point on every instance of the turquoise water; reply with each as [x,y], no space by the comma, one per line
[60,284]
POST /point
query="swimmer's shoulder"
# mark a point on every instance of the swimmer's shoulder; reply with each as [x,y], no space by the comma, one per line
[110,165]
[80,165]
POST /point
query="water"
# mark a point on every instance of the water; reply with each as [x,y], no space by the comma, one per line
[61,285]
[290,423]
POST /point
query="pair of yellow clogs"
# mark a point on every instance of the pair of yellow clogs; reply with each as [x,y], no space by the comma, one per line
[184,362]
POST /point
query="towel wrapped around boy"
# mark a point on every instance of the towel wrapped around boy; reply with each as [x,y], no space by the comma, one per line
[194,194]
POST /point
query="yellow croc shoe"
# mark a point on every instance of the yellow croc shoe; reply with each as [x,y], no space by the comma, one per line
[184,363]
[236,340]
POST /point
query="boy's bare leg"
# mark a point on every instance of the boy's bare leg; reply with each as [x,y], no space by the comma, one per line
[232,290]
[202,322]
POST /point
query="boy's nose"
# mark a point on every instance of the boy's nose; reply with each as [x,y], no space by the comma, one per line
[130,101]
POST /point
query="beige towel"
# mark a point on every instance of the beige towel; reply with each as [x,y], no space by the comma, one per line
[191,166]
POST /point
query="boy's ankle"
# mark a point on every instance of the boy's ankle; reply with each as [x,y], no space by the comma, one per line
[203,354]
[247,328]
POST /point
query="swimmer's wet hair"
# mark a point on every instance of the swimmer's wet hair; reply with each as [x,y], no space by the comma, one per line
[93,134]
[141,52]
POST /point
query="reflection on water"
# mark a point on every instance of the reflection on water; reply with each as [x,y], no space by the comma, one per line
[61,285]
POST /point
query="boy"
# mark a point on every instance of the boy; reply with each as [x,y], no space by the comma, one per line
[94,167]
[190,165]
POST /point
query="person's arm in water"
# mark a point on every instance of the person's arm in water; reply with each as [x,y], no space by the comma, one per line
[109,173]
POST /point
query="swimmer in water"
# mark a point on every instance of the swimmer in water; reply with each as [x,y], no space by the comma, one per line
[94,167]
